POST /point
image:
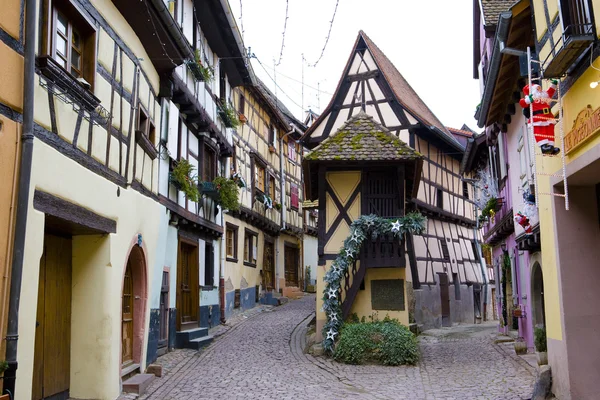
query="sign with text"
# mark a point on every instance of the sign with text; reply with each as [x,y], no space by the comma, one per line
[585,126]
[387,294]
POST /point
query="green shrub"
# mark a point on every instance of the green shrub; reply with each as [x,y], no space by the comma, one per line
[228,193]
[387,342]
[540,339]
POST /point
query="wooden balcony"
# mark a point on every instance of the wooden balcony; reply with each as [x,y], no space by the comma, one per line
[568,49]
[384,252]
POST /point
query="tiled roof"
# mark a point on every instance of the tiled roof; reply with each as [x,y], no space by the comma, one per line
[362,139]
[405,94]
[460,131]
[493,8]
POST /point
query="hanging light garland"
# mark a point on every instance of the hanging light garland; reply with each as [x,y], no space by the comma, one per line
[364,228]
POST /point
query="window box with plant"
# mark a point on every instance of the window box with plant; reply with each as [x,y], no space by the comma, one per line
[201,73]
[228,193]
[228,115]
[184,179]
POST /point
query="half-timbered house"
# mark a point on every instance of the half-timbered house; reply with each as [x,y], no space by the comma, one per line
[263,238]
[92,224]
[188,293]
[445,257]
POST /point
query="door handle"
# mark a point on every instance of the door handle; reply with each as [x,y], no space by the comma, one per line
[37,324]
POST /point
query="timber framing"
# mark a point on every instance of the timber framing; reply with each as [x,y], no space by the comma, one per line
[255,219]
[191,220]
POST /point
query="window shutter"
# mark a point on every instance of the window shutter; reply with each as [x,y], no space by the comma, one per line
[294,195]
[291,150]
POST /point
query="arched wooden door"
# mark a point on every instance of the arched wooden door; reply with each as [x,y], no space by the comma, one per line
[127,317]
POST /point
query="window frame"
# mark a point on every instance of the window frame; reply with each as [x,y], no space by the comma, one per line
[445,251]
[145,132]
[291,150]
[234,229]
[208,149]
[272,187]
[439,201]
[297,187]
[87,31]
[258,168]
[251,237]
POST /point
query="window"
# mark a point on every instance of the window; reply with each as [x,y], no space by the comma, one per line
[380,194]
[456,286]
[234,159]
[465,190]
[209,265]
[222,83]
[575,16]
[272,187]
[294,198]
[242,104]
[231,240]
[445,252]
[260,177]
[291,150]
[145,133]
[71,41]
[272,135]
[501,158]
[440,198]
[475,252]
[209,164]
[250,248]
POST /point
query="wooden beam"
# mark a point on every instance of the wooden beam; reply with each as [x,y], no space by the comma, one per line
[363,76]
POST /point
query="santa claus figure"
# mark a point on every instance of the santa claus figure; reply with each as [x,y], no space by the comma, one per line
[542,118]
[522,220]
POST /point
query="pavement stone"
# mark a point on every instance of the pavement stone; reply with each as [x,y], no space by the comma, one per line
[262,356]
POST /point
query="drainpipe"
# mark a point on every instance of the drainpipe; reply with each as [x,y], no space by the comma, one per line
[222,261]
[12,332]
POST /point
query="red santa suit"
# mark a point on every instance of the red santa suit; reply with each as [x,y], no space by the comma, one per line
[522,220]
[543,119]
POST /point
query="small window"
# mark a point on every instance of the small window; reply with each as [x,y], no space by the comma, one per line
[222,83]
[475,252]
[465,190]
[272,187]
[231,242]
[234,159]
[260,178]
[272,135]
[250,248]
[292,150]
[145,125]
[209,266]
[445,252]
[209,166]
[294,197]
[242,104]
[440,198]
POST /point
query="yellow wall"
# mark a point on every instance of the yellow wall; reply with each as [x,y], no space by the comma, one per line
[236,272]
[362,303]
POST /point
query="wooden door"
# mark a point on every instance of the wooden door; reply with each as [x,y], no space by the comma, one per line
[164,311]
[445,299]
[127,318]
[291,265]
[52,357]
[269,266]
[187,287]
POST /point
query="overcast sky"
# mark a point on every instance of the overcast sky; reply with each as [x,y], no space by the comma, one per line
[429,41]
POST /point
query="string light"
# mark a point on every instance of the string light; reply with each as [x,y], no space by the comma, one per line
[287,4]
[328,34]
[277,86]
[241,18]
[155,34]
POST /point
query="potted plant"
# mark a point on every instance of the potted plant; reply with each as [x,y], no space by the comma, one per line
[277,205]
[271,148]
[520,346]
[541,345]
[183,178]
[228,115]
[228,193]
[201,73]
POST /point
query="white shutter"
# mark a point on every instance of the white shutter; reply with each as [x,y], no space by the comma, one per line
[173,134]
[501,147]
[522,150]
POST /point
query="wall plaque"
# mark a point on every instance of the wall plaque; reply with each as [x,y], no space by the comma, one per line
[387,294]
[585,127]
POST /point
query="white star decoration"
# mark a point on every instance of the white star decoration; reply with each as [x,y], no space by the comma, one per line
[396,226]
[333,317]
[354,238]
[331,334]
[335,269]
[349,253]
[332,293]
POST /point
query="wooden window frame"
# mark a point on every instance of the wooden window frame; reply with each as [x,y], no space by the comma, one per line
[145,132]
[259,167]
[445,251]
[209,267]
[86,29]
[273,186]
[465,187]
[241,104]
[292,154]
[235,230]
[207,147]
[271,135]
[439,201]
[253,239]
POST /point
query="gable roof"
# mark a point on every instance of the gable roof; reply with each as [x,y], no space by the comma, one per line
[362,139]
[492,9]
[404,94]
[275,103]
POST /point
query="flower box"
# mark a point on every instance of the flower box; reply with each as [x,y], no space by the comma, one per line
[210,190]
[243,118]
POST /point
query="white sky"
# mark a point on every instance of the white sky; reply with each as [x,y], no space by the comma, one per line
[429,41]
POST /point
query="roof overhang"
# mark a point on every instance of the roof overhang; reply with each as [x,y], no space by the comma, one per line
[218,25]
[475,151]
[159,35]
[514,32]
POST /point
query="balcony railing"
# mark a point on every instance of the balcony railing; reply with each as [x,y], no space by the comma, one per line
[575,39]
[385,251]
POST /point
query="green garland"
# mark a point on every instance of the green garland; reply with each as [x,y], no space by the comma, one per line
[365,227]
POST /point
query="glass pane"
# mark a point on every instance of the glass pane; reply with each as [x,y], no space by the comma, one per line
[61,23]
[61,61]
[76,60]
[75,73]
[61,45]
[76,40]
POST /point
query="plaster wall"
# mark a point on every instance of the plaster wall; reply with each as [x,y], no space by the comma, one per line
[311,257]
[98,268]
[362,303]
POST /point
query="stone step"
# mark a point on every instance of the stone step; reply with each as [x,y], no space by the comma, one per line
[138,383]
[199,343]
[182,337]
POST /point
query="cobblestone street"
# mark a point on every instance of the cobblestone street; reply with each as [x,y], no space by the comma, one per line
[262,358]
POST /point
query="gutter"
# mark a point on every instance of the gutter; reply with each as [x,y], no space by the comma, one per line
[173,29]
[238,40]
[504,21]
[12,332]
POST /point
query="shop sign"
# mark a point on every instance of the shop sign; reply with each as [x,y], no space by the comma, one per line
[585,126]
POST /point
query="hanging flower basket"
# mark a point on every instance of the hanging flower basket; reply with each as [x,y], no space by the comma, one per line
[183,178]
[209,189]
